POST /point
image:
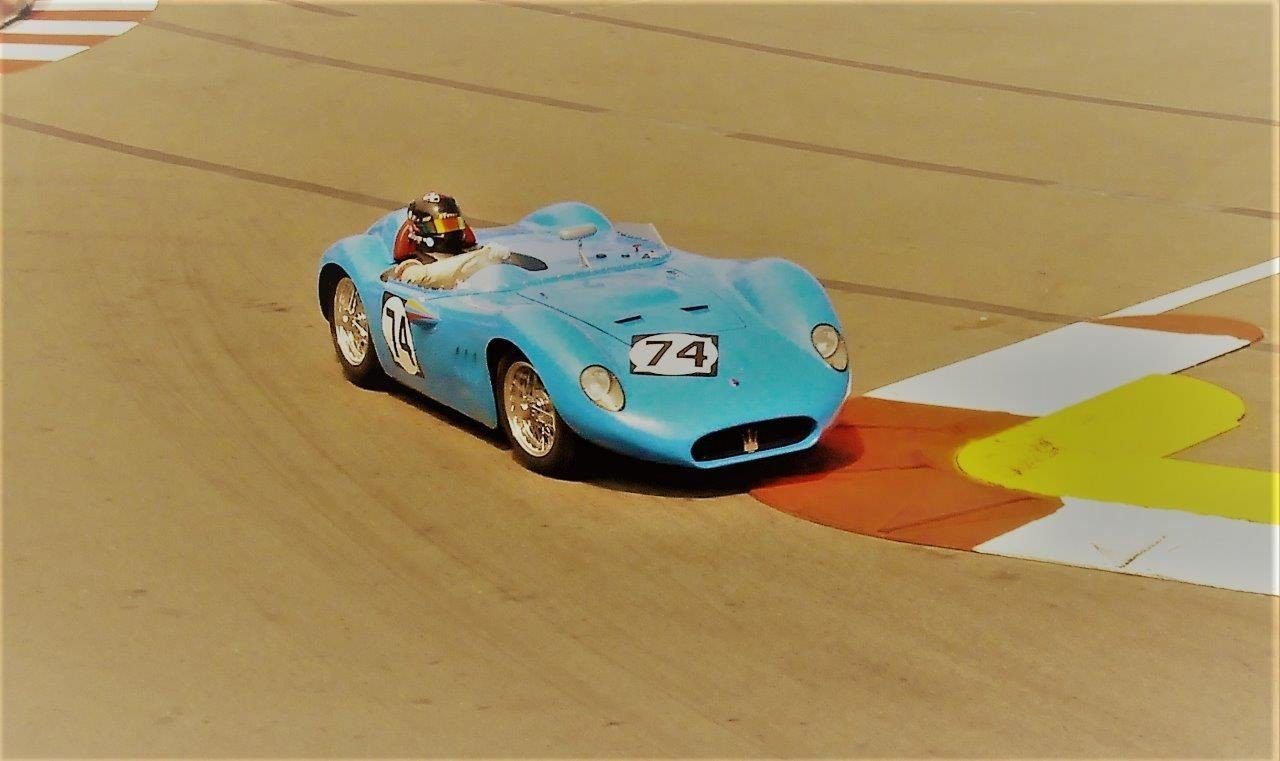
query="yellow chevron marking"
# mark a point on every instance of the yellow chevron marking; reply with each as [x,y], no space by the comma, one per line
[1114,448]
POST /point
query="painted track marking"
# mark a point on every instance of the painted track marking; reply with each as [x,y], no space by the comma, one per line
[94,5]
[20,51]
[1168,544]
[57,29]
[881,68]
[1045,373]
[1105,456]
[1115,447]
[44,26]
[1199,291]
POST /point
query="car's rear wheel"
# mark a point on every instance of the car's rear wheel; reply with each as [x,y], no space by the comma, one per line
[540,439]
[352,341]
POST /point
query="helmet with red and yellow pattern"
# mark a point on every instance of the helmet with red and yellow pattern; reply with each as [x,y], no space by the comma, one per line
[436,226]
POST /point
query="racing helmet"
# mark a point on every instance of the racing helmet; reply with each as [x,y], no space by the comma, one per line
[437,227]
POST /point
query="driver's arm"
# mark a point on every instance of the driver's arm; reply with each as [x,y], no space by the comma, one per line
[447,273]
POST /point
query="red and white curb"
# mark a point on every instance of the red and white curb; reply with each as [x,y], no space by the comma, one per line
[56,29]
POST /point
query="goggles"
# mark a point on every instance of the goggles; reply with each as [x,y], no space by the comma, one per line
[442,224]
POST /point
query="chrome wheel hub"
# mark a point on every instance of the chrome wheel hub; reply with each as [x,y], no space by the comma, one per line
[530,413]
[350,323]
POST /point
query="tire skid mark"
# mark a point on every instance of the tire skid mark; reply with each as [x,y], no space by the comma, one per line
[265,178]
[1247,212]
[776,142]
[880,158]
[883,68]
[341,63]
[385,204]
[867,289]
[315,8]
[208,166]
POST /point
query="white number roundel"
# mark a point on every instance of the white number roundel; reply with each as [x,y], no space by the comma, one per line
[675,354]
[395,329]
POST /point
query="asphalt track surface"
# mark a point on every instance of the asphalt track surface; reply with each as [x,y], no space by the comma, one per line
[213,546]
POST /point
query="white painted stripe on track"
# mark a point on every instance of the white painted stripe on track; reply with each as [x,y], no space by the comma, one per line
[1194,293]
[1048,372]
[1169,544]
[52,26]
[20,51]
[94,5]
[1053,370]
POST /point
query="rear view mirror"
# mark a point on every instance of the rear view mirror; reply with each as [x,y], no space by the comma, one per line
[577,232]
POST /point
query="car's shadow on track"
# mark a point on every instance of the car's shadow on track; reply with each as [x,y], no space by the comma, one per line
[448,416]
[619,473]
[612,471]
[616,472]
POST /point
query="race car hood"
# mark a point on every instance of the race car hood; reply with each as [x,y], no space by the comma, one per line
[626,304]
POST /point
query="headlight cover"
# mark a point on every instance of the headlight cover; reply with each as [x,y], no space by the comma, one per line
[603,388]
[829,344]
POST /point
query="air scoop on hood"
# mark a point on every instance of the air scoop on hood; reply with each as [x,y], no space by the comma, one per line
[635,303]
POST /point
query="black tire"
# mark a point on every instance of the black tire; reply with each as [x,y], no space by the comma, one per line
[562,459]
[366,372]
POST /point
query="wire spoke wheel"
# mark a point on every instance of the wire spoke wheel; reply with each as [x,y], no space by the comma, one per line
[530,413]
[350,323]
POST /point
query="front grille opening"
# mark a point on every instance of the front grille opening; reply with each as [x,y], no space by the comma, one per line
[769,434]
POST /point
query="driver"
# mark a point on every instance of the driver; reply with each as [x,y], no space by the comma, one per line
[436,248]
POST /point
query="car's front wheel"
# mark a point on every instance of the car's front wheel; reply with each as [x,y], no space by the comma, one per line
[540,439]
[349,324]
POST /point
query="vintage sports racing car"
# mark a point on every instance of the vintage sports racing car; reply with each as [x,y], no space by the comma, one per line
[599,332]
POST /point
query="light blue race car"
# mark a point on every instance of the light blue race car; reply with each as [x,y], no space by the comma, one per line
[598,332]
